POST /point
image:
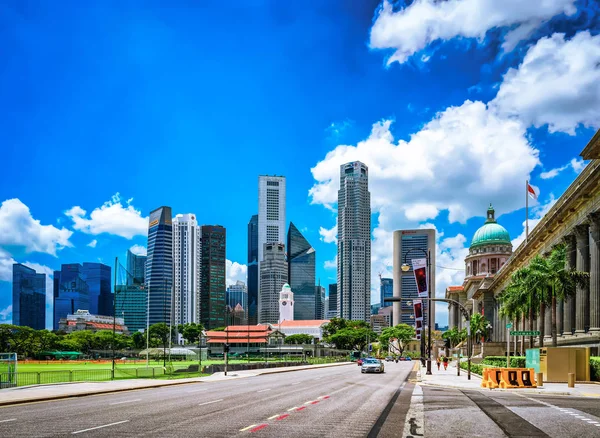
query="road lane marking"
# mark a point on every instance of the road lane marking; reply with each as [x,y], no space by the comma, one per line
[296,383]
[293,409]
[6,421]
[273,417]
[264,390]
[209,402]
[246,428]
[301,408]
[314,402]
[125,401]
[259,427]
[282,417]
[324,397]
[99,427]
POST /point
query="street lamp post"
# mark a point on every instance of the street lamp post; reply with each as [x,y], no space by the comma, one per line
[406,268]
[200,342]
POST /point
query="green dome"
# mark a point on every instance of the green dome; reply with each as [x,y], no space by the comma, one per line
[491,232]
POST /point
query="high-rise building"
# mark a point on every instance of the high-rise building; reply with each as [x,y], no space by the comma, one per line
[186,269]
[131,305]
[319,302]
[354,242]
[29,297]
[212,288]
[301,274]
[98,278]
[332,311]
[237,294]
[159,265]
[136,266]
[286,304]
[409,245]
[271,211]
[386,290]
[252,308]
[273,275]
[71,292]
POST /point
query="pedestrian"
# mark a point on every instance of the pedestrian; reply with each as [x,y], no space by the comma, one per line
[438,363]
[445,363]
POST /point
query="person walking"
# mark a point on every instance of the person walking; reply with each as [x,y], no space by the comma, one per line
[438,363]
[445,363]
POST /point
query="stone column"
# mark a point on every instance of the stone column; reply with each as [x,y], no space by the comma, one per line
[569,304]
[451,321]
[595,272]
[548,323]
[582,264]
[559,318]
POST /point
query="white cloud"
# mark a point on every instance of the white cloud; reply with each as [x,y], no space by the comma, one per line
[113,217]
[411,29]
[577,165]
[331,264]
[539,212]
[6,315]
[6,265]
[557,84]
[235,271]
[139,250]
[19,228]
[328,235]
[93,243]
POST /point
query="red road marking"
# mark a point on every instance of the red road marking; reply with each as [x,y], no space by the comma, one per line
[259,427]
[314,402]
[325,397]
[282,417]
[301,408]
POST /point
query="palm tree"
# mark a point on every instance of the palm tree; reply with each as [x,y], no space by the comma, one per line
[540,282]
[522,286]
[511,308]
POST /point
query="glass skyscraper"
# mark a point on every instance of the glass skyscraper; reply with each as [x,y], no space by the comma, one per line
[301,274]
[136,266]
[29,297]
[159,265]
[386,290]
[237,294]
[252,308]
[212,283]
[131,299]
[98,278]
[332,311]
[71,292]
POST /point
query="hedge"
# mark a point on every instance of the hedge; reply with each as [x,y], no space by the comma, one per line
[595,368]
[475,368]
[500,361]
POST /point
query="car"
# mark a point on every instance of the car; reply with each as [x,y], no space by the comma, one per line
[372,366]
[389,359]
[407,358]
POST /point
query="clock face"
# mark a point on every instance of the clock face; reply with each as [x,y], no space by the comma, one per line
[283,303]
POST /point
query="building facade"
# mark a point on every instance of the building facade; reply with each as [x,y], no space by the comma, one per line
[132,306]
[271,211]
[98,278]
[409,245]
[313,328]
[136,267]
[252,307]
[286,304]
[332,311]
[212,288]
[319,302]
[354,242]
[159,265]
[186,269]
[84,320]
[273,275]
[301,273]
[71,291]
[237,301]
[386,290]
[28,297]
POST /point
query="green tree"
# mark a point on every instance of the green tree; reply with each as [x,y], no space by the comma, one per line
[160,333]
[299,339]
[191,332]
[404,333]
[139,340]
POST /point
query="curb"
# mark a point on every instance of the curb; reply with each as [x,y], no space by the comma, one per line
[110,391]
[513,391]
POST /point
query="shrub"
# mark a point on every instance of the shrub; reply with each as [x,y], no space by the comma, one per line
[500,361]
[595,368]
[517,362]
[475,368]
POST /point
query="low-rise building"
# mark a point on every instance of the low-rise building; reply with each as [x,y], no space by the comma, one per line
[312,327]
[378,323]
[84,320]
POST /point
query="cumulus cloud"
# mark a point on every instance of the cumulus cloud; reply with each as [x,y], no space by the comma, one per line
[93,243]
[576,164]
[139,250]
[235,271]
[411,29]
[557,84]
[328,235]
[6,315]
[6,264]
[331,264]
[19,228]
[113,217]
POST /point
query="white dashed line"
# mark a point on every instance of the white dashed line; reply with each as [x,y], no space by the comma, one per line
[6,421]
[296,383]
[125,401]
[293,409]
[99,427]
[208,403]
[264,390]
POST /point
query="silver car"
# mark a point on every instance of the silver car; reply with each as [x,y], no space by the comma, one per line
[372,366]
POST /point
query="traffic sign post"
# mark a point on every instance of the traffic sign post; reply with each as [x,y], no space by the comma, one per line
[508,327]
[524,332]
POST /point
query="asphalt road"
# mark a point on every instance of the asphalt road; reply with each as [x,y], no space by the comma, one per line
[325,402]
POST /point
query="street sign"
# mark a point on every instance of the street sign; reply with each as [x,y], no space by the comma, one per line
[525,333]
[509,325]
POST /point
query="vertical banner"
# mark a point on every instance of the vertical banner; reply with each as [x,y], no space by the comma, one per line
[418,310]
[419,325]
[420,270]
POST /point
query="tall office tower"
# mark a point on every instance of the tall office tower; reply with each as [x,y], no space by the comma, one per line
[409,245]
[131,305]
[286,304]
[332,311]
[212,285]
[252,308]
[71,292]
[29,297]
[136,267]
[354,242]
[159,265]
[319,302]
[301,273]
[271,211]
[98,278]
[237,294]
[273,275]
[386,290]
[187,265]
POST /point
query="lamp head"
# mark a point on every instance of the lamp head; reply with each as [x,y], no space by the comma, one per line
[405,267]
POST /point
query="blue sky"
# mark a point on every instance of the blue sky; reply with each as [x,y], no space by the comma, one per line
[185,105]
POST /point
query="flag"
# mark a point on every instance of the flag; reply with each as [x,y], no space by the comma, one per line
[531,192]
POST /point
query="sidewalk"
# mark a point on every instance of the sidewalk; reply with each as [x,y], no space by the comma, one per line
[37,393]
[449,379]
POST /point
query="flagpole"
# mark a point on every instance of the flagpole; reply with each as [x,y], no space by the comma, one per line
[526,210]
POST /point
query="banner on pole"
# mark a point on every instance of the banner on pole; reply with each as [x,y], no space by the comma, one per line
[418,310]
[419,325]
[420,270]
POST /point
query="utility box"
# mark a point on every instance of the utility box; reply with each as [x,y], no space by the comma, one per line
[557,362]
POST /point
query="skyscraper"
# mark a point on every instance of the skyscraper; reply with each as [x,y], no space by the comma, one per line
[187,265]
[212,288]
[71,292]
[98,278]
[252,308]
[386,290]
[136,266]
[237,294]
[29,297]
[159,265]
[301,273]
[319,302]
[409,245]
[354,242]
[273,275]
[332,310]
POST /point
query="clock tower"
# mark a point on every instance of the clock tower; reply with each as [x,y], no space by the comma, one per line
[286,304]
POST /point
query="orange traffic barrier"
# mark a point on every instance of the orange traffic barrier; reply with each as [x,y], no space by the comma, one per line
[517,378]
[491,378]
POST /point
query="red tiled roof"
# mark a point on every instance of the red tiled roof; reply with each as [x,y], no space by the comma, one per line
[246,328]
[238,341]
[454,288]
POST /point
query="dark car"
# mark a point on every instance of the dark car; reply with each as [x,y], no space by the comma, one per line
[389,359]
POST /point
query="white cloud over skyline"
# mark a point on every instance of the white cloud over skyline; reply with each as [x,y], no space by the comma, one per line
[235,271]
